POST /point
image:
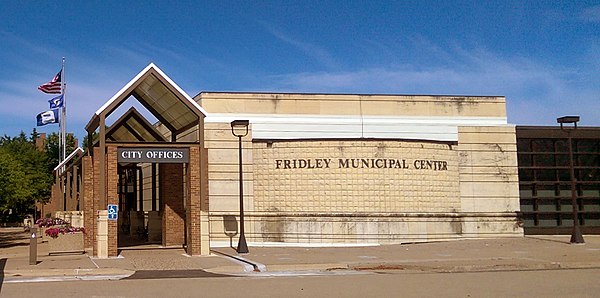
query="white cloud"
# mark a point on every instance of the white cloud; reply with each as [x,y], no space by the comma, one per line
[536,93]
[316,52]
[591,14]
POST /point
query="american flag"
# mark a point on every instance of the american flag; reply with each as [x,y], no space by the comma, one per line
[52,87]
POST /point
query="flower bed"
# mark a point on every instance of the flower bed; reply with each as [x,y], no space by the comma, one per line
[62,238]
[54,232]
[49,222]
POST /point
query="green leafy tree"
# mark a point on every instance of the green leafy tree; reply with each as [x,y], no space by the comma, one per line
[25,175]
[84,144]
[52,148]
[15,186]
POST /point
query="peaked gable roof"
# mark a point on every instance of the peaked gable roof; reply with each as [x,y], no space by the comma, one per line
[172,106]
[133,127]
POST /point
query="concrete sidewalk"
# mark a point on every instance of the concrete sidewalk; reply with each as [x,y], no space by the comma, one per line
[14,262]
[527,253]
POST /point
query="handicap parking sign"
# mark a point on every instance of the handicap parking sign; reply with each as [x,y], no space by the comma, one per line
[112,212]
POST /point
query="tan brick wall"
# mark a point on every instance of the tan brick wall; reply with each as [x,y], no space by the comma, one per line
[489,181]
[370,205]
[349,104]
[223,168]
[362,189]
[488,169]
[473,196]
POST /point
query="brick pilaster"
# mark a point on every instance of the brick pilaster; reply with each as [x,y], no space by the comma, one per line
[193,203]
[96,198]
[87,197]
[171,194]
[113,197]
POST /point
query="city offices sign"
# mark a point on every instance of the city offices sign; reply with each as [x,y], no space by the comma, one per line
[153,155]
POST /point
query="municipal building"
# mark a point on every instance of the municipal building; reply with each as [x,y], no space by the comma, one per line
[317,169]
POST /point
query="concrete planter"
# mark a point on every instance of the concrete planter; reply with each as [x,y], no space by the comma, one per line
[67,243]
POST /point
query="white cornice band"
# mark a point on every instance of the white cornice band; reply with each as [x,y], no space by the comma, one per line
[290,127]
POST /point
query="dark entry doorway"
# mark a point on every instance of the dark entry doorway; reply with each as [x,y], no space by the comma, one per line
[139,210]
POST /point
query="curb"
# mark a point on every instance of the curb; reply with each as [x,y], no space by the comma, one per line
[309,267]
[470,268]
[232,270]
[248,265]
[32,275]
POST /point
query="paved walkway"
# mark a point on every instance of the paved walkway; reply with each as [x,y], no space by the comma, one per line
[525,253]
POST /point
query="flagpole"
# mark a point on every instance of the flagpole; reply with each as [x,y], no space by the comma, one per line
[60,125]
[63,119]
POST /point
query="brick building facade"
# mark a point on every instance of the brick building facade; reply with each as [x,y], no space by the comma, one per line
[318,168]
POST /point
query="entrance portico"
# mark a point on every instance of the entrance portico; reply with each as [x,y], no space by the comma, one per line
[171,150]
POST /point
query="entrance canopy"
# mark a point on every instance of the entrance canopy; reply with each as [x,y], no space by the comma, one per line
[172,106]
[176,112]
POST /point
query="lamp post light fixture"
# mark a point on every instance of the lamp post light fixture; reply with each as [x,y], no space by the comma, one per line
[576,236]
[239,128]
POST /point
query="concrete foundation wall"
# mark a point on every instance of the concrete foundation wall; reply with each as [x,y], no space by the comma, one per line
[352,228]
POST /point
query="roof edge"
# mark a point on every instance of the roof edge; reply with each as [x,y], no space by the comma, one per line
[187,96]
[134,80]
[127,86]
[78,149]
[345,94]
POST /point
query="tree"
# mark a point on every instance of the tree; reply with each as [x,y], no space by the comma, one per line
[25,177]
[52,148]
[15,187]
[95,135]
[26,173]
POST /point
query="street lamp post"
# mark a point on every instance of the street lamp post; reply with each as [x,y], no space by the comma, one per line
[576,236]
[239,128]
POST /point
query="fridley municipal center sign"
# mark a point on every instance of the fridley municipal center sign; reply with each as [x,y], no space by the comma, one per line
[155,155]
[362,163]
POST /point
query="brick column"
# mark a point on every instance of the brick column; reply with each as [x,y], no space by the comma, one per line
[55,201]
[193,202]
[112,197]
[68,190]
[87,197]
[96,194]
[171,194]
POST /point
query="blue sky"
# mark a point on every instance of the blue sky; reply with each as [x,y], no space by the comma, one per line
[544,56]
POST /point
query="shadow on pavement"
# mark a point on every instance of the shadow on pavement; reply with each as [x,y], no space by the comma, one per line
[159,274]
[547,239]
[13,238]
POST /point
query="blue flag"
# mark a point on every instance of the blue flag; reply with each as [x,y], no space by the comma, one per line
[56,102]
[47,117]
